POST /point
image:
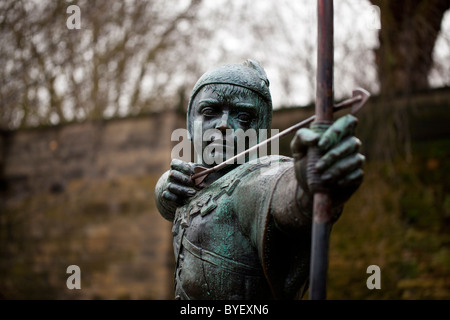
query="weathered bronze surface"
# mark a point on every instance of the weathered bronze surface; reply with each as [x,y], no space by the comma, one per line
[245,231]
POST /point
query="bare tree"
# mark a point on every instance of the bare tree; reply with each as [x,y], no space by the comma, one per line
[118,63]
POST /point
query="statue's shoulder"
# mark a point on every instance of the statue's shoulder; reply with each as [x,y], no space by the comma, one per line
[270,160]
[259,176]
[269,166]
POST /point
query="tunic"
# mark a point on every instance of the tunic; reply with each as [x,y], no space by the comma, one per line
[227,244]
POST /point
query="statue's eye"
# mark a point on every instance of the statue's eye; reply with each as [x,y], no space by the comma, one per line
[244,117]
[208,112]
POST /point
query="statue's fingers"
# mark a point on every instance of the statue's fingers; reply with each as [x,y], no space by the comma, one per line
[182,166]
[169,196]
[354,178]
[180,190]
[343,168]
[340,129]
[345,148]
[303,139]
[180,178]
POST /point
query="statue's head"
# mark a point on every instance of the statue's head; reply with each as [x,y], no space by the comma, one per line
[232,81]
[225,102]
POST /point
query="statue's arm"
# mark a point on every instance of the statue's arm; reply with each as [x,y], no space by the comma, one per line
[291,205]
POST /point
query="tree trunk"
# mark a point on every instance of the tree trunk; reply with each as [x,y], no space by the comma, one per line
[409,29]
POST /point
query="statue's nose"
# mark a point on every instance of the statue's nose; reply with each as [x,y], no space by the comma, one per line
[223,124]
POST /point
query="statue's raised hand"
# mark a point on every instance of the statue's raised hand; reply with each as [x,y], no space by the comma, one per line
[340,166]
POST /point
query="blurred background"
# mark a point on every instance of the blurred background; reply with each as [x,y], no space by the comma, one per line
[90,95]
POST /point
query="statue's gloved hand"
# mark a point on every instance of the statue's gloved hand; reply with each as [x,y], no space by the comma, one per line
[340,166]
[175,187]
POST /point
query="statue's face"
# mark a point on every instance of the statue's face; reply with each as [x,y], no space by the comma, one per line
[220,117]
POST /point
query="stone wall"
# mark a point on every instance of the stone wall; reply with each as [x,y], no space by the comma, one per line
[83,194]
[43,158]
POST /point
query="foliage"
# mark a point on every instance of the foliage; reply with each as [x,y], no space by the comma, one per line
[400,222]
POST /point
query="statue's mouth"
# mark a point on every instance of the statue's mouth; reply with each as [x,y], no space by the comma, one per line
[220,147]
[219,141]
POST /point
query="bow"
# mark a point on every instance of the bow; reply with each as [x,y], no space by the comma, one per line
[324,116]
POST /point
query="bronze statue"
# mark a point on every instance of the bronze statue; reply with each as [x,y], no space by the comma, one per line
[245,231]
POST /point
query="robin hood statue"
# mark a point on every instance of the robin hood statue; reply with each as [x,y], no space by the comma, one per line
[245,231]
